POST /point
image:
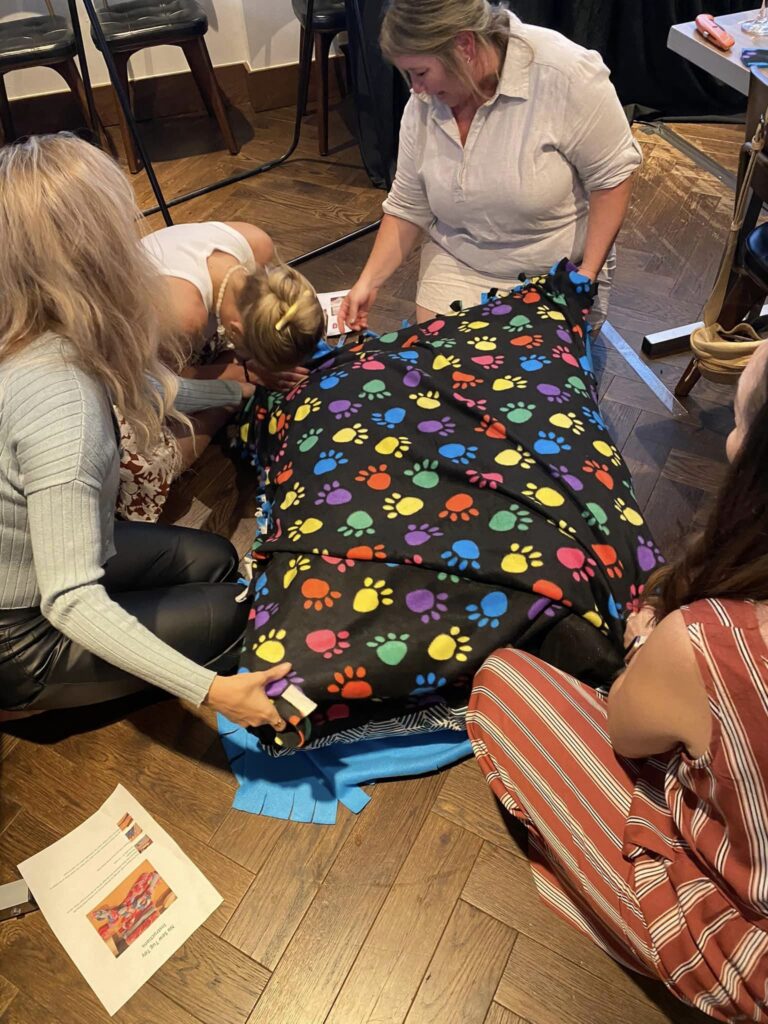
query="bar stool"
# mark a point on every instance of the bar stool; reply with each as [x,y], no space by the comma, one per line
[134,25]
[45,40]
[329,18]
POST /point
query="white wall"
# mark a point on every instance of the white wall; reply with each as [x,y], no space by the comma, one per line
[259,33]
[272,32]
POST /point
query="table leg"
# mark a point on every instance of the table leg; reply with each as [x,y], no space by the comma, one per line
[669,342]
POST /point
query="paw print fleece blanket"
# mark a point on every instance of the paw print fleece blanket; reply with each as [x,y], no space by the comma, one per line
[437,493]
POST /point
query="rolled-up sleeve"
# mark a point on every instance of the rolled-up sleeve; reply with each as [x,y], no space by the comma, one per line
[596,137]
[407,198]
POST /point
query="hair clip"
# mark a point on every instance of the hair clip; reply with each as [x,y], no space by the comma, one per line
[290,313]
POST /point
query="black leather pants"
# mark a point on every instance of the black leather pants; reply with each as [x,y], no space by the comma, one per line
[177,582]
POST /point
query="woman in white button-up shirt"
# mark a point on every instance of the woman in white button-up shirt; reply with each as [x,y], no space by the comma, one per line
[514,152]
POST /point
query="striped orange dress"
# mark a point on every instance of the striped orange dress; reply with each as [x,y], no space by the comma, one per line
[664,861]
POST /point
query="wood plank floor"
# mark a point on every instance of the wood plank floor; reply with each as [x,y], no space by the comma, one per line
[421,909]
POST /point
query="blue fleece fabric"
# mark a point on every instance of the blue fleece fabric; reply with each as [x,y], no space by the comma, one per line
[309,784]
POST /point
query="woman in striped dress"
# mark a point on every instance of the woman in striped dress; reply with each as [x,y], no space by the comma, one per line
[648,812]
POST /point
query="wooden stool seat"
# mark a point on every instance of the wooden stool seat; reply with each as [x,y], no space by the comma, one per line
[35,42]
[44,40]
[327,16]
[135,24]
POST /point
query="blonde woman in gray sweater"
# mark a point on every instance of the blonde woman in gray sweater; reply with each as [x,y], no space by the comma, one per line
[90,608]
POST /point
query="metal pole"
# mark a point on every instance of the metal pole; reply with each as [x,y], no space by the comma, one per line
[124,102]
[330,246]
[84,72]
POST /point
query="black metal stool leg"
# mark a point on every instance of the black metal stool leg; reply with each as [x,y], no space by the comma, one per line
[233,179]
[84,72]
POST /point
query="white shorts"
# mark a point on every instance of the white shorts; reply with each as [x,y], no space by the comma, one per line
[443,280]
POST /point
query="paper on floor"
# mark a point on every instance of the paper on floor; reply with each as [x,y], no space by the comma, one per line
[120,895]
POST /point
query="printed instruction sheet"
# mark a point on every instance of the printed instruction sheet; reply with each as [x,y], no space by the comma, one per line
[120,896]
[331,305]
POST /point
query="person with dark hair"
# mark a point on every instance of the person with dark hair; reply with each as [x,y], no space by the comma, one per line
[514,153]
[648,812]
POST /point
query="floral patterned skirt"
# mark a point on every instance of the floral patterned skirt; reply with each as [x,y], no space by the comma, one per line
[145,479]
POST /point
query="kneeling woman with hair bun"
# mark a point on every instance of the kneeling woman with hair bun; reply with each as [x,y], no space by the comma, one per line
[244,318]
[90,608]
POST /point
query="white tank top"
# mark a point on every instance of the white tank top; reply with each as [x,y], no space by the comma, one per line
[182,250]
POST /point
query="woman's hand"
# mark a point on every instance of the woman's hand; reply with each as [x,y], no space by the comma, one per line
[242,699]
[227,369]
[248,374]
[282,380]
[639,623]
[353,313]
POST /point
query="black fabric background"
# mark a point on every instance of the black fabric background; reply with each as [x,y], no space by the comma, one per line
[632,35]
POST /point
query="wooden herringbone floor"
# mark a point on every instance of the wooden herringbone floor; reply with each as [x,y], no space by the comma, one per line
[421,910]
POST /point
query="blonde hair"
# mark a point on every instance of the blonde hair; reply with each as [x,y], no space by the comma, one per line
[429,28]
[71,263]
[263,302]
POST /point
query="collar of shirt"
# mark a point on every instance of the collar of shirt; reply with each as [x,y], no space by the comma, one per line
[515,72]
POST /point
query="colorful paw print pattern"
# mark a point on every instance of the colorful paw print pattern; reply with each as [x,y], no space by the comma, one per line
[437,493]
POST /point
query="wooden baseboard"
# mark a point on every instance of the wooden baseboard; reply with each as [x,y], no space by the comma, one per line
[171,96]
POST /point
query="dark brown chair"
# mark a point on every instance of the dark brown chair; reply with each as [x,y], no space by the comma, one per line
[748,283]
[45,40]
[329,18]
[133,25]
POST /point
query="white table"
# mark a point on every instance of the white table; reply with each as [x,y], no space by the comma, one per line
[687,42]
[727,67]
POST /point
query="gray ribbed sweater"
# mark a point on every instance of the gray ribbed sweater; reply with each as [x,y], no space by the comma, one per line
[59,474]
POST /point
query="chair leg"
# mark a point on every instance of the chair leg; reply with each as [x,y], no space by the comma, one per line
[6,118]
[690,375]
[68,71]
[200,65]
[121,59]
[323,42]
[199,73]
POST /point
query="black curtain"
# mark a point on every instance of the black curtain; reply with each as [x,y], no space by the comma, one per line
[379,91]
[631,36]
